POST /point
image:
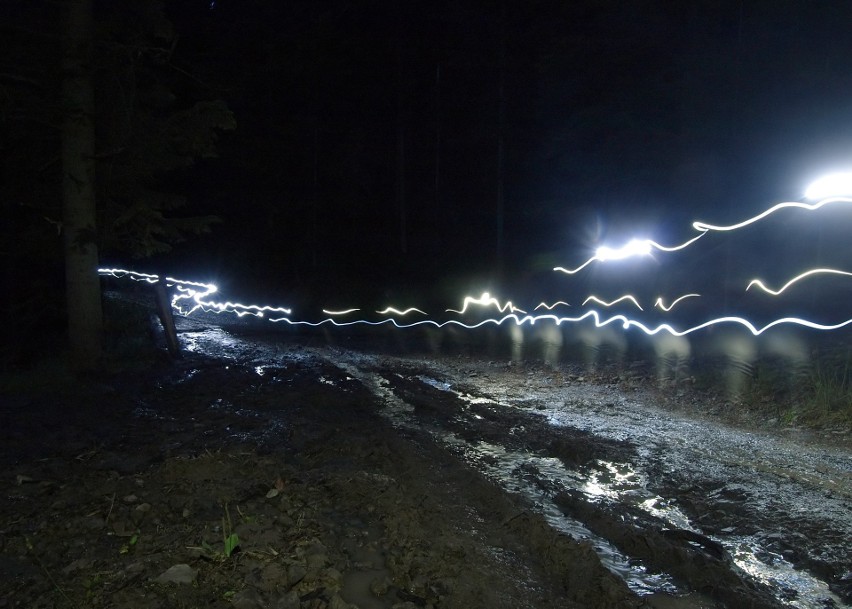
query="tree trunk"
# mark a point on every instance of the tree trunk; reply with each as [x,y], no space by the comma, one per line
[501,141]
[83,292]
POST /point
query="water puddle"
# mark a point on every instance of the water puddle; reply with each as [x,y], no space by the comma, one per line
[539,478]
[507,468]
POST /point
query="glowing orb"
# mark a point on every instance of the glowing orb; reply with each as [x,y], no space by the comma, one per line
[832,185]
[634,247]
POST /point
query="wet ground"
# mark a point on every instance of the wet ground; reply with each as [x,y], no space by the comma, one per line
[286,471]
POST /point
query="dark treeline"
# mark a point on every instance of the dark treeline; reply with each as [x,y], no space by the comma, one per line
[363,149]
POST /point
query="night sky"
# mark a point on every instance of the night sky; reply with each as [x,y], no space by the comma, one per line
[389,150]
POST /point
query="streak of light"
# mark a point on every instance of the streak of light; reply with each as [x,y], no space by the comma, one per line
[135,276]
[659,303]
[398,312]
[187,292]
[239,309]
[617,300]
[762,286]
[544,305]
[703,226]
[626,323]
[486,300]
[342,312]
[635,247]
[150,278]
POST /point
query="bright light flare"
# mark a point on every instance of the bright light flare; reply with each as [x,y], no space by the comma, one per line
[758,283]
[633,248]
[832,185]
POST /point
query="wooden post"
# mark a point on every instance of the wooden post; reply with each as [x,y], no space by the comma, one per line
[164,312]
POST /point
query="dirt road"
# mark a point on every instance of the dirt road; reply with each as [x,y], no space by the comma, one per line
[372,480]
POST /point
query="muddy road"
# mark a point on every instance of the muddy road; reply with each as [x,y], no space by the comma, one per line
[673,504]
[375,480]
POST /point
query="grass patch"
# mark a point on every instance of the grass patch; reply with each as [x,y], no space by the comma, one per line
[827,396]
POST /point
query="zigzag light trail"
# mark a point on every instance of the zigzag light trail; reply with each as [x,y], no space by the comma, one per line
[558,303]
[645,247]
[198,293]
[633,248]
[614,302]
[486,300]
[758,283]
[595,316]
[661,304]
[395,311]
[703,226]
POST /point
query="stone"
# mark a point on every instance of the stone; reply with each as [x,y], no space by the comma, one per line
[248,598]
[178,574]
[288,601]
[295,574]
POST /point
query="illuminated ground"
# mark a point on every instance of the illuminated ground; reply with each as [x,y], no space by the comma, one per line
[387,477]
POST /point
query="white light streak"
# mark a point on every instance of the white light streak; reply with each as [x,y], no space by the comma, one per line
[659,302]
[703,226]
[544,305]
[342,312]
[626,323]
[758,283]
[392,310]
[616,301]
[120,273]
[599,321]
[633,248]
[486,300]
[196,296]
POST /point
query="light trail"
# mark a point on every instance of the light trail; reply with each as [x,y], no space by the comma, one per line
[544,305]
[342,312]
[196,296]
[758,283]
[633,248]
[626,323]
[645,247]
[616,301]
[392,310]
[659,302]
[703,226]
[599,321]
[239,309]
[133,275]
[486,300]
